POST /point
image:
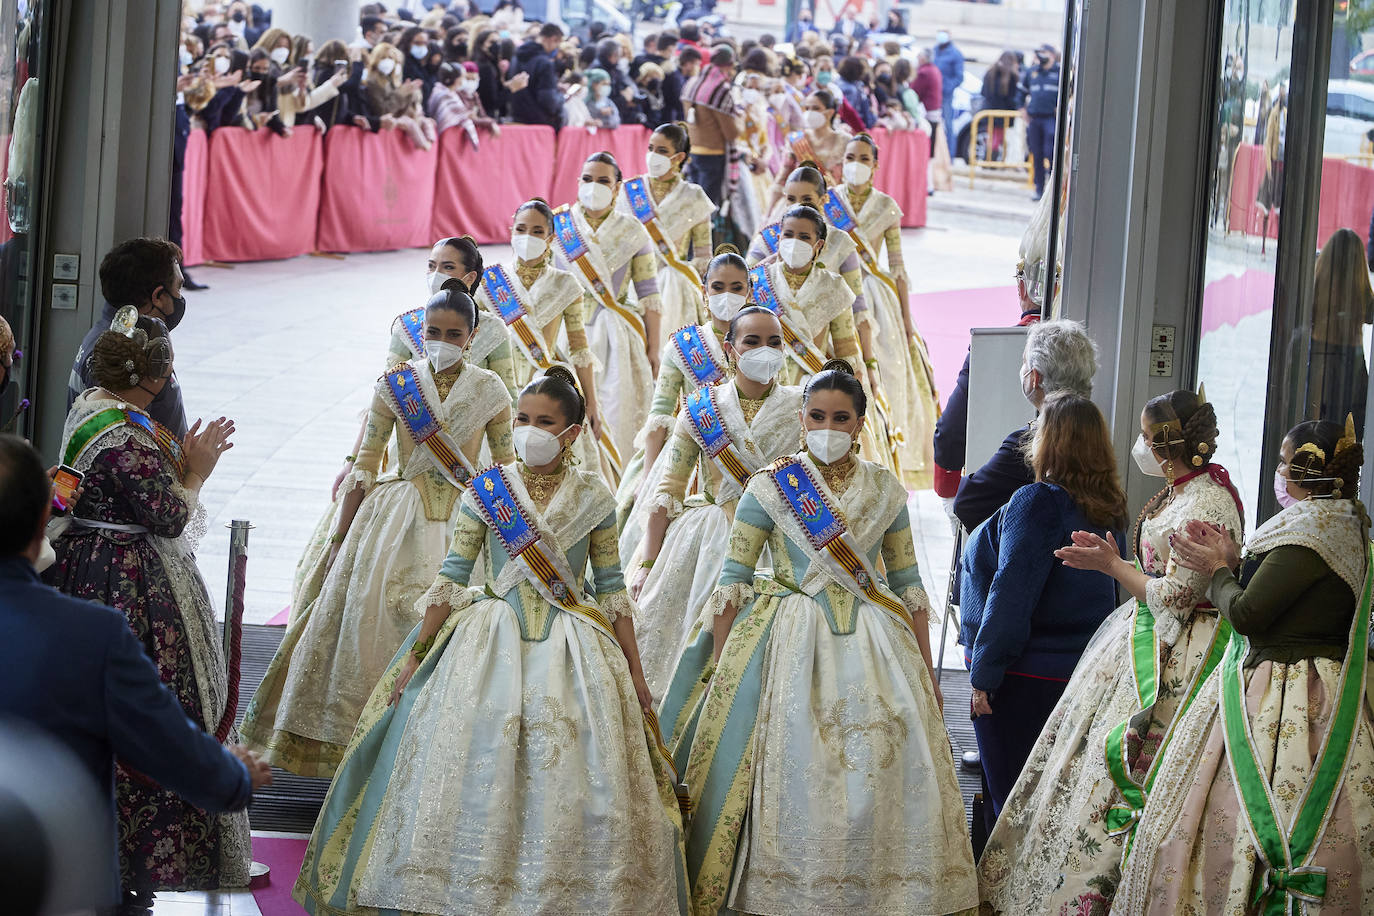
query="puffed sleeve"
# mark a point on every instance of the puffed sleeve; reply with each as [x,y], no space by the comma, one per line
[899,559]
[682,452]
[499,438]
[1173,596]
[380,422]
[851,271]
[574,323]
[608,579]
[844,342]
[398,350]
[644,274]
[451,585]
[758,250]
[748,535]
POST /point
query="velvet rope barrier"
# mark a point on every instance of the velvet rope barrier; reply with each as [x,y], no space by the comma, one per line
[233,623]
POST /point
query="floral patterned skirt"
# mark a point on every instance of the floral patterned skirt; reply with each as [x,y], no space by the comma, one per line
[164,843]
[1194,853]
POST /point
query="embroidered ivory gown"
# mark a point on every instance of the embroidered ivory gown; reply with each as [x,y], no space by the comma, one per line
[676,380]
[684,215]
[332,655]
[1052,847]
[514,775]
[839,255]
[488,348]
[817,759]
[693,550]
[624,258]
[904,365]
[553,299]
[1195,851]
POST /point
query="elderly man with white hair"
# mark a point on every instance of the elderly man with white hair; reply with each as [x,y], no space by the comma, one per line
[1059,356]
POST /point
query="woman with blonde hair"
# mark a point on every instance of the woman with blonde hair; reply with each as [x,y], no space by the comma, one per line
[1342,304]
[396,103]
[1025,617]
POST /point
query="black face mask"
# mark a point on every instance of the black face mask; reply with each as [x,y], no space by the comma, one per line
[178,311]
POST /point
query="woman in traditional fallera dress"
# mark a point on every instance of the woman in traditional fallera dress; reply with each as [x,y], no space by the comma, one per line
[1063,829]
[679,211]
[726,433]
[1265,799]
[128,543]
[821,142]
[614,260]
[897,347]
[504,764]
[453,259]
[387,544]
[551,328]
[817,760]
[695,356]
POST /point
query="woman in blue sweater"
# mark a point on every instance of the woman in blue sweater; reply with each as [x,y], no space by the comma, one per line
[1025,616]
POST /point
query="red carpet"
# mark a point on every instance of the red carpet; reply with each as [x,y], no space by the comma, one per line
[944,320]
[284,857]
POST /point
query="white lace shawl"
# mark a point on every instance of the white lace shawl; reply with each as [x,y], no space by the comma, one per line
[610,247]
[553,291]
[773,433]
[1330,527]
[685,206]
[870,505]
[822,298]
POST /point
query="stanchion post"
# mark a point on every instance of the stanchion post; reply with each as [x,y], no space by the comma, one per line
[238,550]
[949,595]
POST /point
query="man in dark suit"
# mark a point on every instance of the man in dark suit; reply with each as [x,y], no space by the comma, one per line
[850,27]
[1059,356]
[74,670]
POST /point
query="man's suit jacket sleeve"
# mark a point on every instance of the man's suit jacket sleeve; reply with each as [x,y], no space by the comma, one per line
[990,487]
[149,731]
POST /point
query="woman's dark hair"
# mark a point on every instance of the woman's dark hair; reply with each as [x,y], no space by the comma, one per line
[901,71]
[24,493]
[826,98]
[866,139]
[1321,468]
[560,384]
[801,211]
[118,361]
[456,50]
[838,375]
[408,38]
[745,313]
[479,43]
[1184,429]
[851,69]
[726,256]
[450,73]
[540,206]
[605,158]
[676,133]
[471,254]
[454,297]
[757,60]
[807,173]
[1072,448]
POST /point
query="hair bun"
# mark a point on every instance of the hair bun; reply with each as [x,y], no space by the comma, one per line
[726,248]
[837,365]
[809,164]
[563,374]
[538,200]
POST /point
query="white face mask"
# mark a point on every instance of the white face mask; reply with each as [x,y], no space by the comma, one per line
[418,51]
[857,174]
[537,447]
[528,247]
[760,364]
[813,119]
[750,96]
[280,55]
[442,354]
[777,99]
[595,197]
[435,281]
[386,66]
[657,164]
[470,85]
[1145,459]
[186,58]
[237,28]
[603,91]
[829,445]
[725,305]
[795,253]
[221,65]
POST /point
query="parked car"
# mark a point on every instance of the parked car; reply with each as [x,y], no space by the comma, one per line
[1362,64]
[968,99]
[1349,116]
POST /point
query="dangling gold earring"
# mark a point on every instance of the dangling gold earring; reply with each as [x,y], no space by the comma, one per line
[569,458]
[801,445]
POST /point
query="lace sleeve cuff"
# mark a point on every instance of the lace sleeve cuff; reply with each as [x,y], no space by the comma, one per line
[616,605]
[916,600]
[444,591]
[666,501]
[736,595]
[651,303]
[863,316]
[655,422]
[357,479]
[582,357]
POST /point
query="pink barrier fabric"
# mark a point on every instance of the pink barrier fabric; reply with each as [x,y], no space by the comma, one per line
[1235,296]
[902,162]
[628,144]
[1347,196]
[262,194]
[377,193]
[477,190]
[193,183]
[1243,211]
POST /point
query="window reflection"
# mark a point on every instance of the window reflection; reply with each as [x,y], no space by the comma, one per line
[1245,207]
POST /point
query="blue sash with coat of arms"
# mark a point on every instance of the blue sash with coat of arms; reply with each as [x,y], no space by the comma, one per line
[513,312]
[771,235]
[576,251]
[413,326]
[423,425]
[799,348]
[712,435]
[696,356]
